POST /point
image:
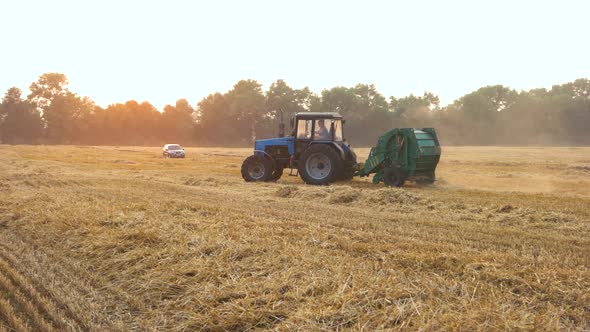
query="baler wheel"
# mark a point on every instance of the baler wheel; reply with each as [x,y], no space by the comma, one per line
[427,179]
[393,177]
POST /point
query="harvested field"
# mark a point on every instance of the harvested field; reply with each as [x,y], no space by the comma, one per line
[103,238]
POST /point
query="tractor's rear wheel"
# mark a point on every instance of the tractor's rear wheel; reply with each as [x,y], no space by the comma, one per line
[347,172]
[256,168]
[393,177]
[348,167]
[319,165]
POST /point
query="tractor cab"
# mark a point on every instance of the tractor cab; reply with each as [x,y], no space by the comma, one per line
[326,126]
[316,150]
[313,127]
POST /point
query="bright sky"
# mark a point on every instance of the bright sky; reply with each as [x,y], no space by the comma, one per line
[160,51]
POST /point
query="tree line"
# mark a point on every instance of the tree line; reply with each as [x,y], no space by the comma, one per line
[491,115]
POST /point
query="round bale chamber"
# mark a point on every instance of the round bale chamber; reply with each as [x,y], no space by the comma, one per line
[427,153]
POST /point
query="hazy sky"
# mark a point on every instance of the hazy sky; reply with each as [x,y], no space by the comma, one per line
[160,51]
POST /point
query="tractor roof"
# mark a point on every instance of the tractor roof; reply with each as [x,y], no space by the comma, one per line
[318,115]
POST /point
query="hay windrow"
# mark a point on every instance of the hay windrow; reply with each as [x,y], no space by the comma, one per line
[387,196]
[506,209]
[556,217]
[344,195]
[4,185]
[286,191]
[312,193]
[142,237]
[122,161]
[204,181]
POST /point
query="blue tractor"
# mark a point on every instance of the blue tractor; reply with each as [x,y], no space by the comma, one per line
[316,150]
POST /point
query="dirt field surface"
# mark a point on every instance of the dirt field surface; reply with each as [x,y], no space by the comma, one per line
[118,238]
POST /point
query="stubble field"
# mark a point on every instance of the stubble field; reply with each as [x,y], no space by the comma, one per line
[118,238]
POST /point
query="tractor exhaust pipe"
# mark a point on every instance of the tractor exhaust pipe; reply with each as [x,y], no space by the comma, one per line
[281,125]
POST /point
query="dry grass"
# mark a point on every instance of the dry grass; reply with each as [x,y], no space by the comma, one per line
[97,238]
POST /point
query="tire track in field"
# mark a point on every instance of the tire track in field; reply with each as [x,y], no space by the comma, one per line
[33,313]
[3,327]
[43,311]
[10,316]
[81,300]
[39,308]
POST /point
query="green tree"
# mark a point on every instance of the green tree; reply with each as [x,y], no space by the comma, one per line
[369,99]
[281,96]
[64,112]
[342,100]
[362,106]
[142,122]
[114,124]
[96,127]
[178,122]
[131,123]
[215,122]
[373,111]
[65,117]
[247,106]
[48,87]
[571,103]
[479,113]
[414,111]
[20,122]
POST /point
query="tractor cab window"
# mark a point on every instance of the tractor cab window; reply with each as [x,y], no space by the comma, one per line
[304,129]
[328,129]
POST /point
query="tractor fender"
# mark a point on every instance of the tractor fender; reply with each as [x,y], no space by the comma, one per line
[336,146]
[349,153]
[264,154]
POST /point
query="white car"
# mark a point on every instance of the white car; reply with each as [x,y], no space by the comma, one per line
[173,151]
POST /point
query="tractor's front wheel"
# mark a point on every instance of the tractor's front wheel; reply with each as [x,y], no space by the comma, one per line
[276,174]
[393,177]
[256,168]
[320,165]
